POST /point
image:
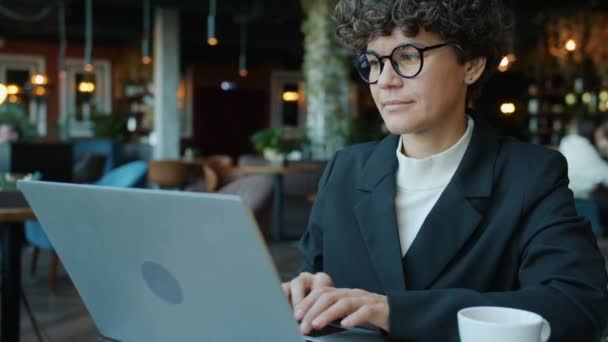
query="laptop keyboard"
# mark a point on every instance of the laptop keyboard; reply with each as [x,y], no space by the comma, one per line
[328,330]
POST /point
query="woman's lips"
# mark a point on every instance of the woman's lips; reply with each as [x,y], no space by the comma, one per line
[393,106]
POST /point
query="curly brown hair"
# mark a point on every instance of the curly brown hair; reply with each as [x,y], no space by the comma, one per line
[476,26]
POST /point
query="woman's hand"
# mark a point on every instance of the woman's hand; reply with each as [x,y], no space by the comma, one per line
[355,307]
[299,287]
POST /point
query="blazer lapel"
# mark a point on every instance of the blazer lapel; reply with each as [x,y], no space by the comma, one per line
[456,215]
[375,213]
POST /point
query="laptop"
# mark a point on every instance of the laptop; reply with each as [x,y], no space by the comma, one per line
[154,265]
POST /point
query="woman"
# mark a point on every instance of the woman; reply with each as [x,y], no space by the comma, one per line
[442,214]
[586,168]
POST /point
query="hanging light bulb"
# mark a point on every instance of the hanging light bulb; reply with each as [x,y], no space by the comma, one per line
[88,48]
[86,87]
[62,40]
[506,62]
[39,79]
[243,51]
[507,108]
[211,37]
[570,45]
[145,42]
[13,89]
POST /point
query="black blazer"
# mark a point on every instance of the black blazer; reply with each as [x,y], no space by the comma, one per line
[504,232]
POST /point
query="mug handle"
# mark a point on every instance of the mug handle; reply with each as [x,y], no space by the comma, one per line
[545,331]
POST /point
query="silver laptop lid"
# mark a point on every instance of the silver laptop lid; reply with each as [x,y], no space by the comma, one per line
[165,266]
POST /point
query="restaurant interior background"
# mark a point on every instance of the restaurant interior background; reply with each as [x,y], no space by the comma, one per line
[252,76]
[254,94]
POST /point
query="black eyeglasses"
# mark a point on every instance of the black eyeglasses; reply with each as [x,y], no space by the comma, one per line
[406,59]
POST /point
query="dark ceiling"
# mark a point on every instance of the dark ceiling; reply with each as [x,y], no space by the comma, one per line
[273,25]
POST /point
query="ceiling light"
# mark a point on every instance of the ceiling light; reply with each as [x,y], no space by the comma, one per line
[570,45]
[291,96]
[507,108]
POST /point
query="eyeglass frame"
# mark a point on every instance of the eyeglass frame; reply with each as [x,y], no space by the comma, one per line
[420,50]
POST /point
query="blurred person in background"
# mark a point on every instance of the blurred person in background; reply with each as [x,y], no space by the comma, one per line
[601,139]
[8,134]
[587,169]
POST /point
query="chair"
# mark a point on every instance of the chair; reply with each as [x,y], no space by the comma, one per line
[223,166]
[125,176]
[256,191]
[589,209]
[207,181]
[90,169]
[169,173]
[210,178]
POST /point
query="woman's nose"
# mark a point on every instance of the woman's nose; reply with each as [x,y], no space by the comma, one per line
[388,76]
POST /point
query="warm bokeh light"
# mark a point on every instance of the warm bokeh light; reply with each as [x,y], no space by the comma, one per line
[570,99]
[13,89]
[243,72]
[507,108]
[39,91]
[570,45]
[13,99]
[291,96]
[3,93]
[89,68]
[212,41]
[504,65]
[39,79]
[506,62]
[146,60]
[86,87]
[587,98]
[603,95]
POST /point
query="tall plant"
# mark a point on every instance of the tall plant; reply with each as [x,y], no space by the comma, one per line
[326,77]
[14,117]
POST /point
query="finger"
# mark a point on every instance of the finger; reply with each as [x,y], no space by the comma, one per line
[362,315]
[321,279]
[304,306]
[299,287]
[287,291]
[324,299]
[340,309]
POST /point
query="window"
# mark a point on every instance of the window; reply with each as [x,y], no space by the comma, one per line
[17,70]
[83,95]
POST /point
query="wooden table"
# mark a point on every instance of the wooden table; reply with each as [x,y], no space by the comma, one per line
[278,172]
[11,269]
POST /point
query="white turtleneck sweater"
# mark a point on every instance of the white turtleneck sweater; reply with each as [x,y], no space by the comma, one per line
[420,182]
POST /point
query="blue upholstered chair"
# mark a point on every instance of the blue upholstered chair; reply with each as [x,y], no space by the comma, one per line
[125,176]
[589,209]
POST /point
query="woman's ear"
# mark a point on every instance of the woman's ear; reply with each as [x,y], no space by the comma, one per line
[474,68]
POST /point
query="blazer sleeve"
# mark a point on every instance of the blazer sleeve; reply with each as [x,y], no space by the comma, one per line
[561,273]
[311,244]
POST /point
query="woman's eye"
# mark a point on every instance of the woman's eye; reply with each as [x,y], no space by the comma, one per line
[408,57]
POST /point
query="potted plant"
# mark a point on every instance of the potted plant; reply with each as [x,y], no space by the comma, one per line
[14,121]
[275,143]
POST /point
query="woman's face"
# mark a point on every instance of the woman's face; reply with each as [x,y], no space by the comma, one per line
[429,102]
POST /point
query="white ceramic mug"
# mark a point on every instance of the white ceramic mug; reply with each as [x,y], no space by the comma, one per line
[498,324]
